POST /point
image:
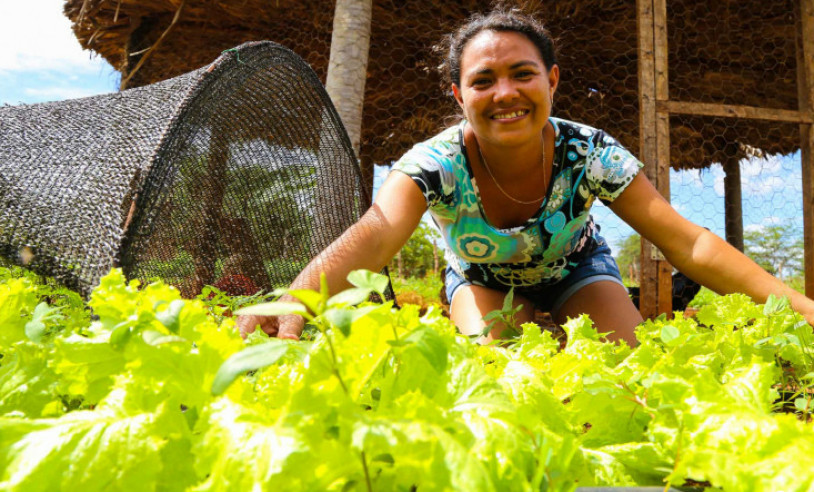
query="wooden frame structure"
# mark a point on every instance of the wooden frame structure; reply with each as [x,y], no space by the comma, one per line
[126,32]
[656,107]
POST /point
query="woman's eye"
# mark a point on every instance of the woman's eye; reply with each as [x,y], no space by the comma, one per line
[480,82]
[524,74]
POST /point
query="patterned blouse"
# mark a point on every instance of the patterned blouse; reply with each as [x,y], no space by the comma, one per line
[588,164]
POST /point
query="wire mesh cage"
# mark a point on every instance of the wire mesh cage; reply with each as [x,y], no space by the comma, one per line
[233,175]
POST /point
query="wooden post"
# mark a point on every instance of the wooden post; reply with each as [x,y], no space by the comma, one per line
[654,135]
[733,201]
[805,89]
[664,270]
[648,279]
[347,74]
[347,67]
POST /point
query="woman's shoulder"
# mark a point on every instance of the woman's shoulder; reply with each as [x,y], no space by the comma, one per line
[568,130]
[440,150]
[447,141]
[433,164]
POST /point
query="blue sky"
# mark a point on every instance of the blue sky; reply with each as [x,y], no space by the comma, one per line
[771,188]
[41,60]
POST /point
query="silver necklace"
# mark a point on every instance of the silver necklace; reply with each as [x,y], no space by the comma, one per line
[522,202]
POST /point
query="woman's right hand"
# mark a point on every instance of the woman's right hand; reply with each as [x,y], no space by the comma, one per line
[289,326]
[368,244]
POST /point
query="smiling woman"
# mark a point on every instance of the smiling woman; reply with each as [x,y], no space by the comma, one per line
[511,188]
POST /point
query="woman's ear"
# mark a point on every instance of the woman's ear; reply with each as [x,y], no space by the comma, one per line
[456,91]
[553,78]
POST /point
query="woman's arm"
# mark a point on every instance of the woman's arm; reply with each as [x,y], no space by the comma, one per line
[698,253]
[368,244]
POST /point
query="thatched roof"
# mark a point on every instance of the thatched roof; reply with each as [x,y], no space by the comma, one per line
[728,52]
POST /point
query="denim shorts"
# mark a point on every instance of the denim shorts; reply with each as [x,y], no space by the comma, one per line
[597,266]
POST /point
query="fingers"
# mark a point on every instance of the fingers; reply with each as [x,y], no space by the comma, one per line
[290,327]
[247,324]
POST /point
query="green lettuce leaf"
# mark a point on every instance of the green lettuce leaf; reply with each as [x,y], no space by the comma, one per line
[17,301]
[105,449]
[27,384]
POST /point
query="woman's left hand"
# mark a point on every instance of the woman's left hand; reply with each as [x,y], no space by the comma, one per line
[697,252]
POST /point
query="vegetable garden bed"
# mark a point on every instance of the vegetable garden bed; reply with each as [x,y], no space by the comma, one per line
[152,392]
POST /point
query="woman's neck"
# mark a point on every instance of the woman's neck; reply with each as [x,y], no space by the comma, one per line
[510,161]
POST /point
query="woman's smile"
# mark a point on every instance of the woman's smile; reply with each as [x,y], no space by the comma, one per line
[510,116]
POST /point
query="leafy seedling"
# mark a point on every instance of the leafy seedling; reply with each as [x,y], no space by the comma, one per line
[43,314]
[505,315]
[249,359]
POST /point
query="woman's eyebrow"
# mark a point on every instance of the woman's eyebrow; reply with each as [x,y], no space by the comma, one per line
[486,71]
[524,62]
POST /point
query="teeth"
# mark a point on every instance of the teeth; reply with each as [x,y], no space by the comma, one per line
[505,116]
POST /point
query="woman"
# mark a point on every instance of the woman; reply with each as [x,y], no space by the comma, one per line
[511,188]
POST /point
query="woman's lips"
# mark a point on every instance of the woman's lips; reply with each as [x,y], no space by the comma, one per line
[509,115]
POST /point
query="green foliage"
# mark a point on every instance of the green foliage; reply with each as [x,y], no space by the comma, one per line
[629,258]
[222,305]
[429,287]
[797,282]
[775,248]
[704,297]
[386,399]
[505,316]
[417,257]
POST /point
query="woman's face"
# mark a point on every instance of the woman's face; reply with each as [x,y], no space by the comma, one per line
[505,89]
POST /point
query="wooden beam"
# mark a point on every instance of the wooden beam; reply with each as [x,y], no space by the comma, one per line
[647,88]
[664,271]
[733,111]
[648,141]
[733,201]
[805,89]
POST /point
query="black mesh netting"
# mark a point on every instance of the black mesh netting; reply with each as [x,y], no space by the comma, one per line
[234,175]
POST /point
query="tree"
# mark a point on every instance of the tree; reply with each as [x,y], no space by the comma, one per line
[420,254]
[629,258]
[775,248]
[347,67]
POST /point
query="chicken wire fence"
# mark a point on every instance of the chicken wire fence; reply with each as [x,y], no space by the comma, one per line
[234,175]
[738,174]
[739,177]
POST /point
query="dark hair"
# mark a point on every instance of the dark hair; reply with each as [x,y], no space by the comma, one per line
[500,20]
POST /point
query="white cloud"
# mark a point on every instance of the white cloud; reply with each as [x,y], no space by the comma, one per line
[58,93]
[765,223]
[773,174]
[718,174]
[759,177]
[763,185]
[688,177]
[36,35]
[756,166]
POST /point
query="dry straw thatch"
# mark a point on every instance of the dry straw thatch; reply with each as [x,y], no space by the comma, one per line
[728,51]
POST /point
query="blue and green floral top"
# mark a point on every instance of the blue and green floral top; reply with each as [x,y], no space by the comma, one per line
[588,164]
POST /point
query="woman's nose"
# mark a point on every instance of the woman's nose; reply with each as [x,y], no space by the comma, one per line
[505,89]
